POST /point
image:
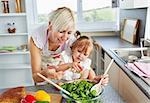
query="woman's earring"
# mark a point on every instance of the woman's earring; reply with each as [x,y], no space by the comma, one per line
[49,26]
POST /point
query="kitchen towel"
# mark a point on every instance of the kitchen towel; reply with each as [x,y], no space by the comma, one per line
[141,69]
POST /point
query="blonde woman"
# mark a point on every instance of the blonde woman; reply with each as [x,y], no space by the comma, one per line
[47,41]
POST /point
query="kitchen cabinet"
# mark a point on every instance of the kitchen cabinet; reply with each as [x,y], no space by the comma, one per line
[129,91]
[113,72]
[15,69]
[124,85]
[131,4]
[97,60]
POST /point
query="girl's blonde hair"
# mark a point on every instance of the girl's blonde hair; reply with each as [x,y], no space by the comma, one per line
[84,42]
[61,19]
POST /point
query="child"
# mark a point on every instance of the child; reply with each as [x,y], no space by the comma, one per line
[75,63]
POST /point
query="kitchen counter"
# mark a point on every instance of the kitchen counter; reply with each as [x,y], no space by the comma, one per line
[108,96]
[108,43]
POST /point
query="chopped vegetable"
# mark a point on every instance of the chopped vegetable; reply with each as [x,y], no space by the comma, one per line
[80,90]
[41,95]
[42,102]
[29,98]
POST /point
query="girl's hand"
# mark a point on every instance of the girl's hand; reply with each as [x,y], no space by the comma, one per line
[104,81]
[76,67]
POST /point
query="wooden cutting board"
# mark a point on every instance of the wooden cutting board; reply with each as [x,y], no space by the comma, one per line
[55,98]
[129,30]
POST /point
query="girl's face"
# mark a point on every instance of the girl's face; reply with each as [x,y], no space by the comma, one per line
[79,55]
[60,37]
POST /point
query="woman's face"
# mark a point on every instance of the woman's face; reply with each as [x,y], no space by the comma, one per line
[79,55]
[60,37]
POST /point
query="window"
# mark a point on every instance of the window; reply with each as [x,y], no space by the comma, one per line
[147,30]
[91,15]
[44,7]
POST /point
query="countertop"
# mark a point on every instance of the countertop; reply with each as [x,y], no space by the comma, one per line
[108,43]
[108,96]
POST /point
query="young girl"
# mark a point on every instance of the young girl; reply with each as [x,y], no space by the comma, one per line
[75,63]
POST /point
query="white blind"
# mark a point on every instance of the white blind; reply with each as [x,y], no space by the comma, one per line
[147,31]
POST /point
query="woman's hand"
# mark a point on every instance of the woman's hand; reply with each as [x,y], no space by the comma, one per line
[51,72]
[105,79]
[52,67]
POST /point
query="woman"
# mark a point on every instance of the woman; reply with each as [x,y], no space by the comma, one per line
[50,40]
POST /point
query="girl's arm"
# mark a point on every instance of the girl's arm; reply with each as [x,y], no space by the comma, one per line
[92,74]
[84,74]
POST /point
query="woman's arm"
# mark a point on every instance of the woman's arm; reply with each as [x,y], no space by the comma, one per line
[63,67]
[36,62]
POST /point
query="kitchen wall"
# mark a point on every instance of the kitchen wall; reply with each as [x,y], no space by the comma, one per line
[136,14]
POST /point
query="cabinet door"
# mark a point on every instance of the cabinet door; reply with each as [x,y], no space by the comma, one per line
[113,72]
[11,77]
[129,91]
[125,4]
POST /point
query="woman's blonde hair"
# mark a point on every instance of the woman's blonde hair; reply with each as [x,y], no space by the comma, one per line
[61,19]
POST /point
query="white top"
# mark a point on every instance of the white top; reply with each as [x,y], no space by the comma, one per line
[69,74]
[40,37]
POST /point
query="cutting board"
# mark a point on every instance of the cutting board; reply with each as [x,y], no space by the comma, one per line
[129,30]
[55,98]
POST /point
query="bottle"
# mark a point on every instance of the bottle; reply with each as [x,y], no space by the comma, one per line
[18,6]
[6,6]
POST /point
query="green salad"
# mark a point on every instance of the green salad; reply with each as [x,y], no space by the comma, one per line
[80,91]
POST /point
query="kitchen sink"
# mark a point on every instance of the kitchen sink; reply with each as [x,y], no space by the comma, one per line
[132,54]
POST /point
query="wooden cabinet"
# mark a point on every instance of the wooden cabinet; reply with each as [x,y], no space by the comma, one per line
[131,4]
[97,60]
[124,85]
[113,72]
[15,68]
[129,91]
